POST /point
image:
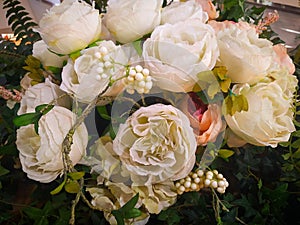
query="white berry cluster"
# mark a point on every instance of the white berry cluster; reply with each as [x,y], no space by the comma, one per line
[201,179]
[105,66]
[138,79]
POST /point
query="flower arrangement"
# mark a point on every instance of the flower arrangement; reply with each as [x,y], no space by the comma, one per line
[173,88]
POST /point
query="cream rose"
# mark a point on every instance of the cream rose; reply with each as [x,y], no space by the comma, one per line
[114,197]
[206,120]
[43,93]
[176,53]
[269,118]
[130,20]
[41,155]
[247,57]
[92,72]
[47,58]
[155,145]
[157,197]
[180,11]
[70,26]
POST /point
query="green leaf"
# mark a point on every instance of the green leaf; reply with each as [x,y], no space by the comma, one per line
[138,47]
[76,175]
[118,216]
[26,119]
[130,204]
[44,109]
[72,187]
[286,156]
[103,112]
[259,184]
[132,213]
[296,144]
[3,171]
[58,188]
[296,154]
[225,153]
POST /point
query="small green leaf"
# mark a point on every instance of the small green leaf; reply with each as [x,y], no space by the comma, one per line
[296,154]
[75,55]
[3,171]
[103,112]
[130,204]
[259,184]
[286,156]
[76,175]
[59,188]
[296,144]
[44,109]
[225,153]
[26,119]
[138,47]
[132,213]
[72,187]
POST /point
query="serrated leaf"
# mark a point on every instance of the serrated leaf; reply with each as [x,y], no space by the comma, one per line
[225,153]
[132,213]
[26,119]
[76,175]
[72,186]
[58,188]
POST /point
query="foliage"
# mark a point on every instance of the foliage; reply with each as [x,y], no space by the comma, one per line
[264,182]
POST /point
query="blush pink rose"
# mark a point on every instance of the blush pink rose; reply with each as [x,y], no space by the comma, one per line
[209,8]
[283,59]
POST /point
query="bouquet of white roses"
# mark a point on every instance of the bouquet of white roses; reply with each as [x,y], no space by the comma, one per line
[172,86]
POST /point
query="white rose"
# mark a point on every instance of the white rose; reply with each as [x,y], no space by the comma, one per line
[269,118]
[176,53]
[246,56]
[130,20]
[43,93]
[180,11]
[92,72]
[41,155]
[156,144]
[70,26]
[47,58]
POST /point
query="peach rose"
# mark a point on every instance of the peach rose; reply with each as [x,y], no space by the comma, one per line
[209,7]
[206,120]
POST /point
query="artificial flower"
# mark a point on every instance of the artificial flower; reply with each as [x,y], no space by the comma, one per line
[157,197]
[41,52]
[206,119]
[247,57]
[70,26]
[114,197]
[269,118]
[130,20]
[180,11]
[155,145]
[176,53]
[209,8]
[94,72]
[283,59]
[41,154]
[43,93]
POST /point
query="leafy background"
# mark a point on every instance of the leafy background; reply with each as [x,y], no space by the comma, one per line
[264,182]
